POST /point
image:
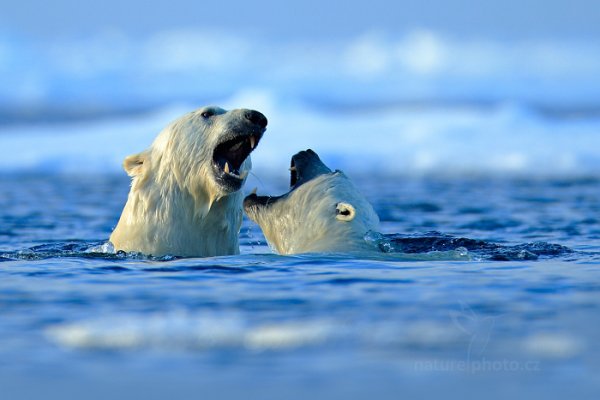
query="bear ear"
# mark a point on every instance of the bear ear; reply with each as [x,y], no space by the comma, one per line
[345,212]
[134,164]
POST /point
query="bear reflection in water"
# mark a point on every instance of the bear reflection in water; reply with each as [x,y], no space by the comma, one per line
[325,213]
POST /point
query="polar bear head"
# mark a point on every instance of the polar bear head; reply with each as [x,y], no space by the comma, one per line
[205,153]
[322,212]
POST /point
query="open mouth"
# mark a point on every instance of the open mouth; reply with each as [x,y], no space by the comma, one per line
[229,156]
[304,166]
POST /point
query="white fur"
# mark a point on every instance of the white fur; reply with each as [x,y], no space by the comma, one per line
[308,220]
[175,206]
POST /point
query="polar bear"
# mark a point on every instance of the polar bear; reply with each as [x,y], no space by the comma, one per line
[185,197]
[322,212]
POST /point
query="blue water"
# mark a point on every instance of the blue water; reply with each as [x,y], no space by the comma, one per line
[480,155]
[79,323]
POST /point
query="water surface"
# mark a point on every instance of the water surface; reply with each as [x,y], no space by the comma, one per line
[76,323]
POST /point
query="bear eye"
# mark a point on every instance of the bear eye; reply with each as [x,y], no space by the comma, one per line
[207,114]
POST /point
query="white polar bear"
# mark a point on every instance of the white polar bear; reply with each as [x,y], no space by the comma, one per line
[185,197]
[322,212]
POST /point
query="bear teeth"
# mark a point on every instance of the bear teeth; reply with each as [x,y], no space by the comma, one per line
[252,142]
[235,174]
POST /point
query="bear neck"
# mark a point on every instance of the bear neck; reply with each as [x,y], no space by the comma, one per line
[318,238]
[175,221]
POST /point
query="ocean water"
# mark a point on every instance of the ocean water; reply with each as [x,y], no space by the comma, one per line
[79,323]
[481,157]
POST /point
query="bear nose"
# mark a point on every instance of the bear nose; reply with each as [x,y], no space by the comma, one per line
[256,118]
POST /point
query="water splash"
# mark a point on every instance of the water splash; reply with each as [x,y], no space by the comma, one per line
[479,249]
[78,249]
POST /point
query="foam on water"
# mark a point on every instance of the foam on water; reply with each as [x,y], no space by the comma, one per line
[182,331]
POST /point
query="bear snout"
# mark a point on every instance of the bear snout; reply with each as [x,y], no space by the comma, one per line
[256,118]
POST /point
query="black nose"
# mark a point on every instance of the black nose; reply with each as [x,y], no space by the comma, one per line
[256,118]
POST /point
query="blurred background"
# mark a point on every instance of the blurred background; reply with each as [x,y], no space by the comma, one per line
[398,87]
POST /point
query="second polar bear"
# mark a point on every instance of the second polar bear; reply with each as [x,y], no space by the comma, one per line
[322,212]
[185,197]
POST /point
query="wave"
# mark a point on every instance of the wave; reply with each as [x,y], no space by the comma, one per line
[505,139]
[417,103]
[474,248]
[429,245]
